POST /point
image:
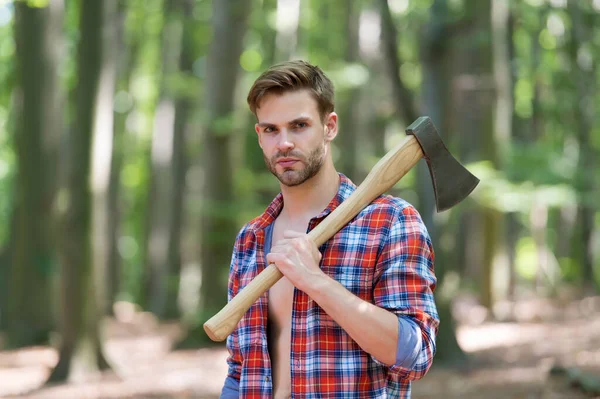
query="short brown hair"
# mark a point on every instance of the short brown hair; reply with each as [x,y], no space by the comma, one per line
[291,76]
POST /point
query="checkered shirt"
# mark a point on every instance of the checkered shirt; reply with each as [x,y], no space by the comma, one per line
[384,256]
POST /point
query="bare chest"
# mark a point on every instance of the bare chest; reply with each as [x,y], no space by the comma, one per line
[281,294]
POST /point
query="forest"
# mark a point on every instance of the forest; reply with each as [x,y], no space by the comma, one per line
[129,162]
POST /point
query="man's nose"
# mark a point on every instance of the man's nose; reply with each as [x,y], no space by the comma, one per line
[285,143]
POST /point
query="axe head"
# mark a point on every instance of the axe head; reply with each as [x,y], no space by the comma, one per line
[452,182]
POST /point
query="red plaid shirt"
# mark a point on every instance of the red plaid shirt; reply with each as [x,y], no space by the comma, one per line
[384,256]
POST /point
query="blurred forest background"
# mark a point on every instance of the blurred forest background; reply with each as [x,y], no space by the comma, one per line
[128,162]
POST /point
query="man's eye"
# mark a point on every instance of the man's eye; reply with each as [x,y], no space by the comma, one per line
[268,130]
[301,125]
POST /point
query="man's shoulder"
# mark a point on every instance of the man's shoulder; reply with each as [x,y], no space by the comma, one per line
[248,228]
[395,207]
[390,200]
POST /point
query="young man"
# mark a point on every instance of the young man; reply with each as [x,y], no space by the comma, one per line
[354,318]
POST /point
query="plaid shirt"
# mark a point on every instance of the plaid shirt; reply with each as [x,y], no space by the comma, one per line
[384,256]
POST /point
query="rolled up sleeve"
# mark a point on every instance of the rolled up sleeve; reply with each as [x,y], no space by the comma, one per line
[404,285]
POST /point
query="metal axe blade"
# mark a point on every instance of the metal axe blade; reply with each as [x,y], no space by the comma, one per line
[452,182]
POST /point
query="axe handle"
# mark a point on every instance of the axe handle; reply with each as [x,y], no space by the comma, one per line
[387,172]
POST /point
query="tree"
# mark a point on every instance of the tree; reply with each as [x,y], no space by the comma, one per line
[350,96]
[587,164]
[473,99]
[30,312]
[168,169]
[435,63]
[123,68]
[80,315]
[407,110]
[102,166]
[402,96]
[218,227]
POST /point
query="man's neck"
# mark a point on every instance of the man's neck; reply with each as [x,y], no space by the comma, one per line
[311,197]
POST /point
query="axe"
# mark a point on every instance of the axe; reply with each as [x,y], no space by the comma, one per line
[451,184]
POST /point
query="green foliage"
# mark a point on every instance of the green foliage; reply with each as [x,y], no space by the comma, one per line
[540,167]
[182,85]
[36,3]
[541,164]
[527,259]
[7,156]
[348,76]
[251,60]
[497,192]
[7,171]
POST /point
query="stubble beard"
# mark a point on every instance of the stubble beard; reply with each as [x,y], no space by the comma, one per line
[291,177]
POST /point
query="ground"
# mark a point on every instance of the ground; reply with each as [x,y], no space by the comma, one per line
[510,359]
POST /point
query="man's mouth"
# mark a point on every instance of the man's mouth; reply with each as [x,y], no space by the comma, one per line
[286,162]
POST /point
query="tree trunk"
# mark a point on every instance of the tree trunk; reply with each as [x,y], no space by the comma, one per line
[168,169]
[587,164]
[473,99]
[127,52]
[102,162]
[219,222]
[263,189]
[492,219]
[502,137]
[406,108]
[402,96]
[80,315]
[513,227]
[377,117]
[30,313]
[537,119]
[183,112]
[350,98]
[128,46]
[435,92]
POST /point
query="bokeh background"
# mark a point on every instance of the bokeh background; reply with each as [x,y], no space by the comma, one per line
[128,162]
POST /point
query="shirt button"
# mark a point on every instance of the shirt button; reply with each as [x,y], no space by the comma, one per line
[267,378]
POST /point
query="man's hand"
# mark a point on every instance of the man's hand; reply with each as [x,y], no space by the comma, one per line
[373,328]
[297,257]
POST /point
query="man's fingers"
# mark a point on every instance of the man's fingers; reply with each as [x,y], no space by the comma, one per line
[273,257]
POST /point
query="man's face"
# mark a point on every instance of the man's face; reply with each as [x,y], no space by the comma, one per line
[293,138]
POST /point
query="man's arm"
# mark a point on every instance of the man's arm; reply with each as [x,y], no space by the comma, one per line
[403,294]
[373,328]
[404,284]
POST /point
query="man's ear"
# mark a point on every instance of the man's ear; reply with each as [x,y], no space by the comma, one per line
[331,127]
[257,130]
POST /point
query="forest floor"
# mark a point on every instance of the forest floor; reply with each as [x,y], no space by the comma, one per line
[510,359]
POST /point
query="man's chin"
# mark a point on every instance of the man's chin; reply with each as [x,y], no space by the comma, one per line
[291,178]
[290,181]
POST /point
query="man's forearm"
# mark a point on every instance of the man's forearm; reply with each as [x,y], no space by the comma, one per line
[373,328]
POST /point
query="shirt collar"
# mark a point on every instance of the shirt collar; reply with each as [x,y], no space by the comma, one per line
[345,188]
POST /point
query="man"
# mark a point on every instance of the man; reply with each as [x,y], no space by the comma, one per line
[354,318]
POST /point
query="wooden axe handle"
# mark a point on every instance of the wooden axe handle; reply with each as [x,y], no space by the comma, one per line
[385,174]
